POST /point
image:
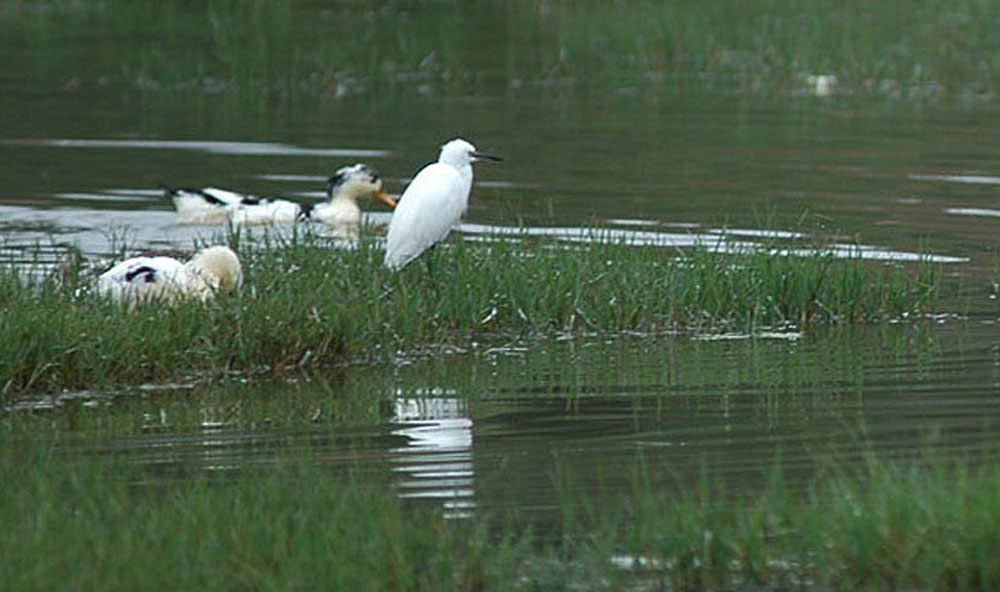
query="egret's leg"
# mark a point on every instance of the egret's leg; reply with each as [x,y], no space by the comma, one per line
[430,271]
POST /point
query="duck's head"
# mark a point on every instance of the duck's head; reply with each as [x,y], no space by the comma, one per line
[356,181]
[459,153]
[220,266]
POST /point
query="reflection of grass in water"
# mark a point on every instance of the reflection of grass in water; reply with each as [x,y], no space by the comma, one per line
[761,47]
[306,304]
[919,525]
[334,399]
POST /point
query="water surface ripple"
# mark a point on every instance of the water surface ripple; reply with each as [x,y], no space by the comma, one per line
[489,428]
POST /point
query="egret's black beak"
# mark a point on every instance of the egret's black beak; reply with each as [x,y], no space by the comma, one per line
[485,156]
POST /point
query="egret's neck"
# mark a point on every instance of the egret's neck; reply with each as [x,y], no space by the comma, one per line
[466,173]
[460,164]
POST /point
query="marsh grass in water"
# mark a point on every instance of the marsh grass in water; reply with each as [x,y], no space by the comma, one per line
[306,304]
[894,48]
[927,524]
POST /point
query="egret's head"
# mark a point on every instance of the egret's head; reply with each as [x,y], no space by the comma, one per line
[459,153]
[219,266]
[355,181]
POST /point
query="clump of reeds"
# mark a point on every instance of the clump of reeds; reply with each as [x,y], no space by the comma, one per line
[760,48]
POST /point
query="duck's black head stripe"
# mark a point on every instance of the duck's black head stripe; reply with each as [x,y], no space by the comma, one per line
[336,180]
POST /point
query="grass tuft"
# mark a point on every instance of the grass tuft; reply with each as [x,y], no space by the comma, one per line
[305,304]
[928,525]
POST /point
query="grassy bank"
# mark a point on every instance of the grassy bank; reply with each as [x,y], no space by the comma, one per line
[895,48]
[305,304]
[102,523]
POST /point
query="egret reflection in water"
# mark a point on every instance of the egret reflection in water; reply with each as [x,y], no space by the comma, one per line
[436,461]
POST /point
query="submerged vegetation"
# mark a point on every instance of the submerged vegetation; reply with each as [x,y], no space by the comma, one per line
[925,525]
[898,48]
[305,304]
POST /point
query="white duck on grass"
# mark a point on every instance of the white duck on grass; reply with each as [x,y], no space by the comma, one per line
[432,203]
[340,212]
[211,270]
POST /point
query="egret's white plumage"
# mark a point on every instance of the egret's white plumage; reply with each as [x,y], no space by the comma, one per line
[211,270]
[340,213]
[432,203]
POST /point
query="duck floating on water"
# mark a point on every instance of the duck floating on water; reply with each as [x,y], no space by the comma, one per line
[210,271]
[211,205]
[340,212]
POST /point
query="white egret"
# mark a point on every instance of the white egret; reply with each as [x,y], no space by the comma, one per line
[340,213]
[432,203]
[211,270]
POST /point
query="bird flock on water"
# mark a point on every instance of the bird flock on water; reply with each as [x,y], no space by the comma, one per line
[432,203]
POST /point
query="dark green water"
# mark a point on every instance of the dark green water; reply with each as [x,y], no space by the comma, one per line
[498,424]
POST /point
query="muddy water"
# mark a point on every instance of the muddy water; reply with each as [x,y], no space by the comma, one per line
[500,423]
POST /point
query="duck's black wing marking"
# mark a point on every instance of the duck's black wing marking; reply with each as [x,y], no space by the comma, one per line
[208,197]
[252,200]
[142,273]
[172,192]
